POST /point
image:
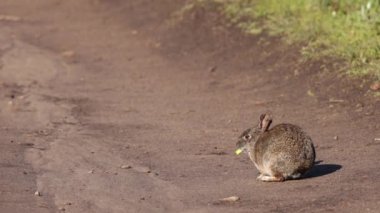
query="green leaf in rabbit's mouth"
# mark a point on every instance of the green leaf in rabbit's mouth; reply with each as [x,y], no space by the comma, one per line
[238,151]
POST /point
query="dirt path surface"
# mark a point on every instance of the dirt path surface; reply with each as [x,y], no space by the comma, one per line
[105,108]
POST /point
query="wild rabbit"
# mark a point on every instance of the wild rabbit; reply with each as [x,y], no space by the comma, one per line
[280,153]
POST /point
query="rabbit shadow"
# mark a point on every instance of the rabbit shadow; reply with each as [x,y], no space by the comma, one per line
[319,170]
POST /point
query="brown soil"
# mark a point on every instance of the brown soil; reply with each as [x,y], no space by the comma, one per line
[112,106]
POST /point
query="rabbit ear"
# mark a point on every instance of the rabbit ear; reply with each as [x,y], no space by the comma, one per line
[265,122]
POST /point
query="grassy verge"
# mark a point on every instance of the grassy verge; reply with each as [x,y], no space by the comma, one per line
[337,29]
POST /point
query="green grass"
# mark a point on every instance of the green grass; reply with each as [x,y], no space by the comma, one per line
[336,29]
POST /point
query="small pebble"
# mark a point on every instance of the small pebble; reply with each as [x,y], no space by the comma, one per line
[310,93]
[212,69]
[230,199]
[125,166]
[336,138]
[9,18]
[68,54]
[37,193]
[333,100]
[91,171]
[375,86]
[62,209]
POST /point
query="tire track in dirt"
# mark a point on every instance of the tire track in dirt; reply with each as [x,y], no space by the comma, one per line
[21,119]
[76,166]
[72,163]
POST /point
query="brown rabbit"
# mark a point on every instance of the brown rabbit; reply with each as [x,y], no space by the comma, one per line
[280,153]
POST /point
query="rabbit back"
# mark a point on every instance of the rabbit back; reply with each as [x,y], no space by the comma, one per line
[285,150]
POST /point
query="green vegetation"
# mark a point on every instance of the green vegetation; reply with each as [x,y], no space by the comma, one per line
[338,29]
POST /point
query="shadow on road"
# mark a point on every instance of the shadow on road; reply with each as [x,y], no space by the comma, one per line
[322,169]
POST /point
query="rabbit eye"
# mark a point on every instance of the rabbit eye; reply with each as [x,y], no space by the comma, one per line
[247,137]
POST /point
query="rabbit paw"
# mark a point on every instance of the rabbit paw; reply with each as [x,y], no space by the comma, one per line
[267,178]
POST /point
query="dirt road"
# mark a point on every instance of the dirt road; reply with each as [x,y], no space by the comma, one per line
[107,106]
